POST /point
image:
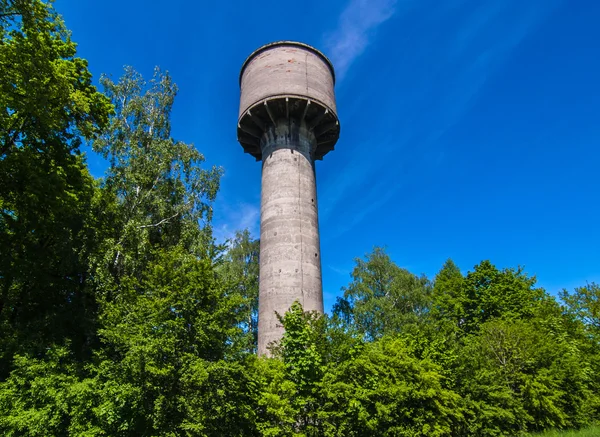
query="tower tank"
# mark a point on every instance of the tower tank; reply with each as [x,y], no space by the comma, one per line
[287,119]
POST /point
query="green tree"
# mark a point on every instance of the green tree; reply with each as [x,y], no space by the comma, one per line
[525,375]
[221,399]
[164,314]
[383,298]
[47,98]
[48,106]
[491,293]
[276,409]
[385,391]
[45,397]
[484,294]
[155,192]
[584,305]
[157,333]
[164,310]
[240,270]
[303,365]
[448,298]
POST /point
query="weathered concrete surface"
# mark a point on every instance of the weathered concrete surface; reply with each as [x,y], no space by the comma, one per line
[287,70]
[287,80]
[290,256]
[287,119]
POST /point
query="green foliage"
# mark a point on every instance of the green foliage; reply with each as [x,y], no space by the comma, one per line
[165,312]
[158,195]
[120,316]
[491,293]
[240,271]
[447,297]
[35,400]
[46,93]
[385,390]
[592,431]
[383,298]
[484,294]
[524,375]
[220,400]
[303,366]
[299,349]
[276,409]
[48,106]
[156,335]
[179,303]
[378,389]
[584,305]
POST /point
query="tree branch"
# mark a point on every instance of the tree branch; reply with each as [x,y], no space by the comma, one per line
[11,139]
[160,222]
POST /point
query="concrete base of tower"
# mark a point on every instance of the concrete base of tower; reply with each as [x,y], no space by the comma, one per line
[290,256]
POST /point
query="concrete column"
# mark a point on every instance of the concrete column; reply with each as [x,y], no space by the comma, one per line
[290,256]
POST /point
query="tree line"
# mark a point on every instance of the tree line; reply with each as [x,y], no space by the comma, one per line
[120,315]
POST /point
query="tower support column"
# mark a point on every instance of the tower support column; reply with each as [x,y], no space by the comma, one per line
[290,256]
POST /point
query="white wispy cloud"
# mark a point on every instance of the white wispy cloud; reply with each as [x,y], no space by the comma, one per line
[338,270]
[237,218]
[443,75]
[356,27]
[354,219]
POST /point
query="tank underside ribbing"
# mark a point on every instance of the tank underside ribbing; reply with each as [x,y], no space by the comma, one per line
[318,118]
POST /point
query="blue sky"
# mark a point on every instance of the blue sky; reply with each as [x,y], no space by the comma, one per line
[470,129]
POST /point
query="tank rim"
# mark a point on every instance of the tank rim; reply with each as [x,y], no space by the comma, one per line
[282,96]
[286,43]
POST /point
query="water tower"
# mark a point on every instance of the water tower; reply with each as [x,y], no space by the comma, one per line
[287,120]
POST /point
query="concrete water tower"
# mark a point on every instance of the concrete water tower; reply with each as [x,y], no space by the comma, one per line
[287,120]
